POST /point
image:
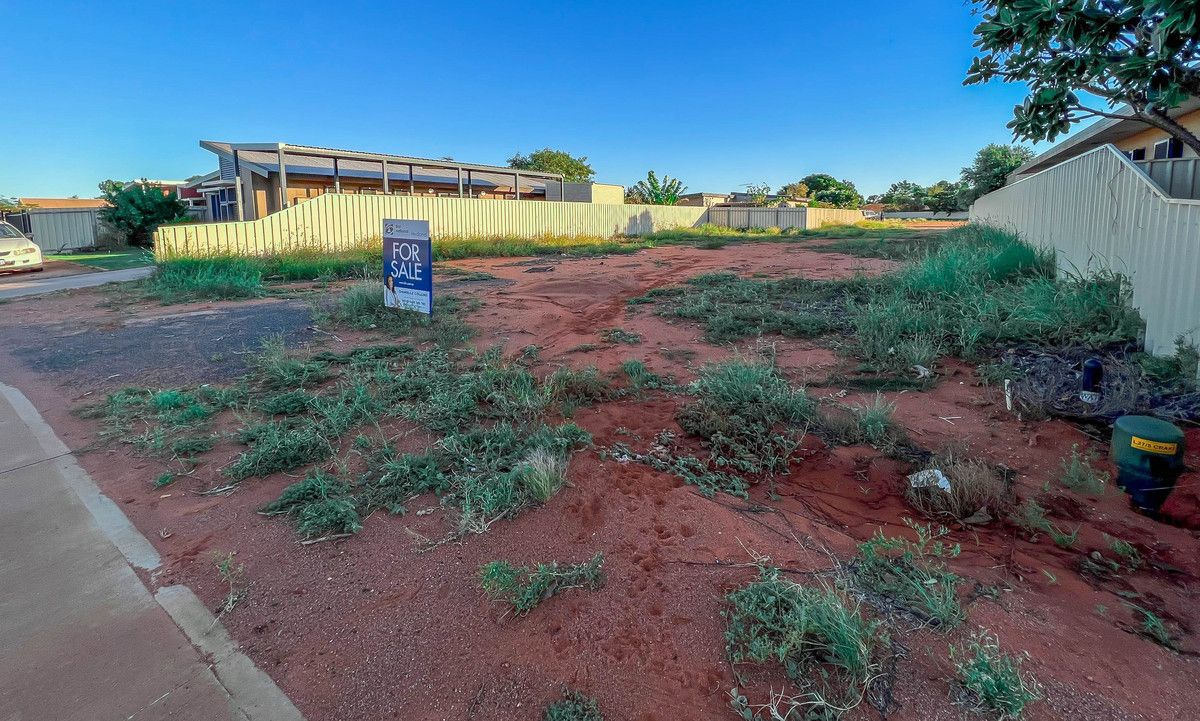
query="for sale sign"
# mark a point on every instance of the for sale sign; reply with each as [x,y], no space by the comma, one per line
[407,266]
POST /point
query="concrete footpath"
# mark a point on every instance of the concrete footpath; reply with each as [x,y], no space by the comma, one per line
[15,286]
[81,637]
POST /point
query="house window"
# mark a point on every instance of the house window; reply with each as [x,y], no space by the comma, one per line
[1136,154]
[1166,149]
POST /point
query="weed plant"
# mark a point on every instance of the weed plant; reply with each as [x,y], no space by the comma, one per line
[524,588]
[992,679]
[912,575]
[822,642]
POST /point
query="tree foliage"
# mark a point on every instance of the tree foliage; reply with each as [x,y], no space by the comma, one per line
[109,187]
[653,191]
[796,190]
[904,195]
[547,160]
[991,168]
[827,190]
[136,211]
[1144,53]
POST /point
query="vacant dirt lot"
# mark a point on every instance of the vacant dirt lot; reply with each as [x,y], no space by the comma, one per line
[379,625]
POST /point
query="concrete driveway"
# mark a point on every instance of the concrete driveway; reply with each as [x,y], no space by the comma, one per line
[16,286]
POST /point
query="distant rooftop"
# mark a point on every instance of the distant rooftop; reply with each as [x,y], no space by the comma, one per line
[63,203]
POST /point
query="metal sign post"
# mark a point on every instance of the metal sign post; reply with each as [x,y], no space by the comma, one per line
[408,266]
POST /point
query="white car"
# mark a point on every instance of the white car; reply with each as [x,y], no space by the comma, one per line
[18,252]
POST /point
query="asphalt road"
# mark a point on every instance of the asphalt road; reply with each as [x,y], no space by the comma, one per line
[16,286]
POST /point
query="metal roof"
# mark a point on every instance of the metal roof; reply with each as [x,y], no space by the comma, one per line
[1102,132]
[263,158]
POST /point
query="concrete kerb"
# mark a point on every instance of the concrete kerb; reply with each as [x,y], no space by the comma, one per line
[253,694]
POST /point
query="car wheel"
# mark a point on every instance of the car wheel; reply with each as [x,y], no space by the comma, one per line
[38,269]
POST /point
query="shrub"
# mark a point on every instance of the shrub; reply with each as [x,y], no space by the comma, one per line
[912,575]
[745,412]
[275,447]
[994,679]
[525,588]
[543,473]
[824,645]
[320,503]
[573,706]
[137,210]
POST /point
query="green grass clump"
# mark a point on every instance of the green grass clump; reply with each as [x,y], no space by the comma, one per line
[993,679]
[572,388]
[640,377]
[747,415]
[195,279]
[1128,552]
[983,286]
[912,575]
[277,369]
[320,503]
[287,403]
[825,646]
[193,445]
[864,423]
[399,478]
[1079,475]
[731,308]
[278,447]
[620,335]
[573,706]
[361,306]
[525,588]
[1154,628]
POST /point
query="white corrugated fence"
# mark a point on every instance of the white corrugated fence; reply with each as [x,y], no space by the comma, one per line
[55,229]
[1100,211]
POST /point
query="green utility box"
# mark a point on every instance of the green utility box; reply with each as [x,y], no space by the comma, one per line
[1149,457]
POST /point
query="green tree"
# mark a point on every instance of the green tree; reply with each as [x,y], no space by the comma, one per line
[904,195]
[946,196]
[829,191]
[758,195]
[1143,53]
[653,191]
[11,205]
[135,212]
[573,169]
[109,187]
[991,168]
[796,190]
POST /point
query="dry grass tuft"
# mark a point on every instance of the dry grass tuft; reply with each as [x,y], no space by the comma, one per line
[978,493]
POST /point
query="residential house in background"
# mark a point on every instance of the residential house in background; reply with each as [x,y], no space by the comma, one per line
[254,180]
[1171,164]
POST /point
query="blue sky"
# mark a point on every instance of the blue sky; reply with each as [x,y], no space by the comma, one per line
[718,94]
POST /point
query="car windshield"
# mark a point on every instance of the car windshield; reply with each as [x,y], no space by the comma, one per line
[8,231]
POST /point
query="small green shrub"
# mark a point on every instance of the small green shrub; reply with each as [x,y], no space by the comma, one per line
[1154,628]
[275,447]
[573,706]
[824,645]
[525,588]
[287,403]
[746,412]
[913,574]
[320,503]
[993,679]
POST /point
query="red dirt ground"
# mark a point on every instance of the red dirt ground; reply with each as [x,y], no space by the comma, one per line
[371,627]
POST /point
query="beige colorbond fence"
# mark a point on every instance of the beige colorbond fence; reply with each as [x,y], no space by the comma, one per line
[782,218]
[1100,211]
[332,221]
